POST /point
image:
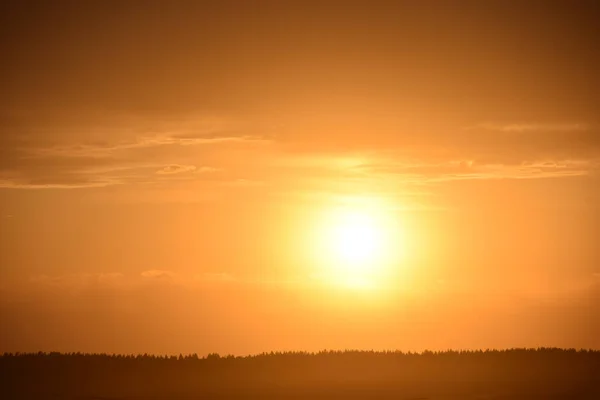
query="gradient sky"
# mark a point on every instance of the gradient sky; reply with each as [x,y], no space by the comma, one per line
[164,167]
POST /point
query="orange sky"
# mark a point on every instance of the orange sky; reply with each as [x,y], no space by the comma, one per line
[168,171]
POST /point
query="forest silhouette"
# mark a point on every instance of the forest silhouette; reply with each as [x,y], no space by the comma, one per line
[544,373]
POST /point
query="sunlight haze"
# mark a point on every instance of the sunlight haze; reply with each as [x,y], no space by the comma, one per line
[239,177]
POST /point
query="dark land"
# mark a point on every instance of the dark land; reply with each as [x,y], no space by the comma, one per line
[545,373]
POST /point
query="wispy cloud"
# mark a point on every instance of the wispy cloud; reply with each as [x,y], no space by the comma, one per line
[175,169]
[158,274]
[105,150]
[533,127]
[470,169]
[63,153]
[89,165]
[28,184]
[76,282]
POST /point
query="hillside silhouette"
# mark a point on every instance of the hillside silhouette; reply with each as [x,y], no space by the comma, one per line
[545,373]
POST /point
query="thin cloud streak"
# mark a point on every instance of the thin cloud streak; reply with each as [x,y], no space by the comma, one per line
[534,127]
[469,169]
[140,143]
[176,169]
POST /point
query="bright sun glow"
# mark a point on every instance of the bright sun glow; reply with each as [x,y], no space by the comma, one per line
[357,245]
[356,240]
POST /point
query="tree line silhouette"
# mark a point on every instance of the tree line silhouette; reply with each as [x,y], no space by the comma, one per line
[81,375]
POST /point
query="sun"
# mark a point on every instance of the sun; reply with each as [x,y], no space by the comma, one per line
[356,240]
[357,245]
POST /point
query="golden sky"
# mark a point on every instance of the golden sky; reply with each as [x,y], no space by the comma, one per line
[248,176]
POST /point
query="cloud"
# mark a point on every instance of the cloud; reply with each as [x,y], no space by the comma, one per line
[520,142]
[69,153]
[175,169]
[84,166]
[79,281]
[158,274]
[178,169]
[89,150]
[149,150]
[421,172]
[534,127]
[515,150]
[191,141]
[11,184]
